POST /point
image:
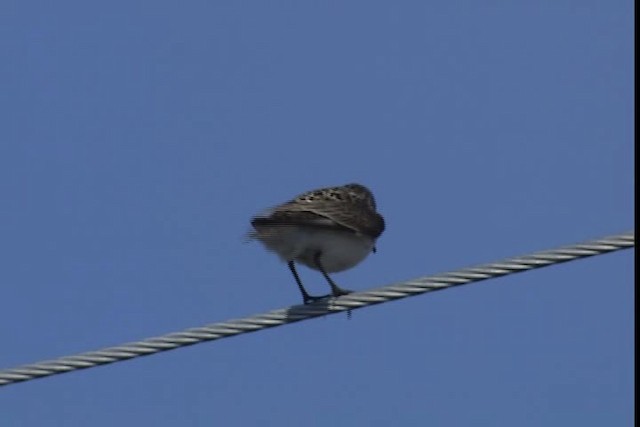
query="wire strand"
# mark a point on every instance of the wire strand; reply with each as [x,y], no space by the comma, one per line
[298,313]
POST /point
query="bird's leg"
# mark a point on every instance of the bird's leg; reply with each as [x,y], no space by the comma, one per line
[336,290]
[306,298]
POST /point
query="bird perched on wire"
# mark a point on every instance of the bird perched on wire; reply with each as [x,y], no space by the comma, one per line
[328,229]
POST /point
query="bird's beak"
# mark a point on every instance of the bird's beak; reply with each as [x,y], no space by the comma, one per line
[374,250]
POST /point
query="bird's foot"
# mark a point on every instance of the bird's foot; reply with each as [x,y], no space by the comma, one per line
[308,299]
[337,292]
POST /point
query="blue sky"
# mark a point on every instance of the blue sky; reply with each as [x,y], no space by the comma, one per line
[138,138]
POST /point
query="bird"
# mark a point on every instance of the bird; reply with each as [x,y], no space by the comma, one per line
[328,229]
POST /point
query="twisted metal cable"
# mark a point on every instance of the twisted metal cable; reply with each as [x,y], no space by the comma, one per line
[303,312]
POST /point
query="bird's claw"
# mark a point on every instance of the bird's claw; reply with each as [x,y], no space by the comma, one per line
[308,299]
[338,292]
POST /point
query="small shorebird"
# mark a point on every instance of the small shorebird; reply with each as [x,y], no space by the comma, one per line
[329,230]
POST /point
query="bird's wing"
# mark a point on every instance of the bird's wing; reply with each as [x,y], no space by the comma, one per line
[357,217]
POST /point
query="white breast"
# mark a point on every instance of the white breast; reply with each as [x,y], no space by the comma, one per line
[339,250]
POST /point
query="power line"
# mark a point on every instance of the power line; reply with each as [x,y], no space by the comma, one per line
[298,313]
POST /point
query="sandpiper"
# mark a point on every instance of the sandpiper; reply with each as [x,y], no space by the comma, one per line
[329,229]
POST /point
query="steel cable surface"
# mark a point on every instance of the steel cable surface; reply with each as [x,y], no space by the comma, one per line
[298,313]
